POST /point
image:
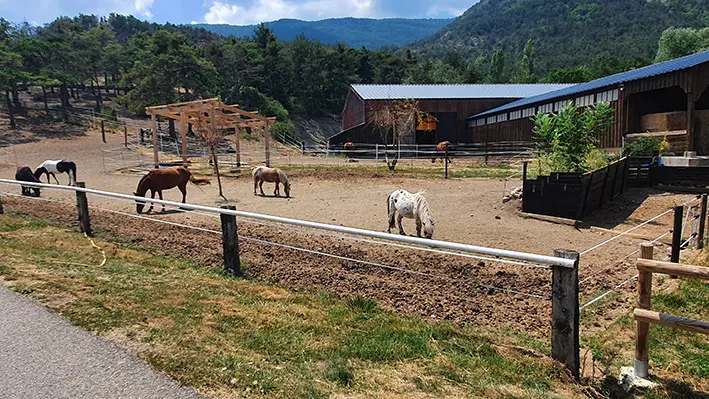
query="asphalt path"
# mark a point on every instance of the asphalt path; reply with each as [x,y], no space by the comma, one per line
[44,356]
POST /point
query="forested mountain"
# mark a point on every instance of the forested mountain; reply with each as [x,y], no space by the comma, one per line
[565,32]
[354,32]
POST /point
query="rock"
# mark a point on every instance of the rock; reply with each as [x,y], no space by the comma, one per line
[629,381]
[498,217]
[233,381]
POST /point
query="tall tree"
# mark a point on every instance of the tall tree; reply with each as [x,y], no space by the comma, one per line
[526,68]
[678,42]
[497,67]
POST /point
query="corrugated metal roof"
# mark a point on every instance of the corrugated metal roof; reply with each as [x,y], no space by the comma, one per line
[640,73]
[459,91]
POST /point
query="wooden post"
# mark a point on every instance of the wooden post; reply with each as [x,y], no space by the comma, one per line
[268,144]
[702,221]
[230,242]
[446,162]
[2,210]
[487,149]
[237,144]
[690,120]
[183,133]
[524,171]
[156,153]
[103,132]
[83,207]
[565,313]
[677,234]
[642,339]
[125,135]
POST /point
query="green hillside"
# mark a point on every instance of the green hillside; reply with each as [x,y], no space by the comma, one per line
[355,32]
[565,33]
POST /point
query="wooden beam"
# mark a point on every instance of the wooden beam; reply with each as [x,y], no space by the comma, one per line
[268,145]
[642,337]
[673,269]
[237,144]
[691,105]
[174,106]
[668,320]
[242,112]
[183,133]
[156,152]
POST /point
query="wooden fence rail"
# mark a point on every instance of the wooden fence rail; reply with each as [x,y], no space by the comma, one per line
[645,316]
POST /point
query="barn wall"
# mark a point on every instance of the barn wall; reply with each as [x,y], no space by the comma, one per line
[353,113]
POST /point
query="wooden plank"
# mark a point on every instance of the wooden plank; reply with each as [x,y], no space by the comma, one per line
[673,269]
[156,150]
[183,134]
[551,219]
[176,107]
[668,320]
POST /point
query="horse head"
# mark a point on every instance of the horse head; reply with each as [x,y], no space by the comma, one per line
[139,205]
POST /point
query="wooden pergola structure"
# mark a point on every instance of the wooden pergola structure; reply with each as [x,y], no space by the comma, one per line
[214,114]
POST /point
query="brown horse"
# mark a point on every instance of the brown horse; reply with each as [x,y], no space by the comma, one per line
[443,146]
[272,175]
[349,148]
[164,179]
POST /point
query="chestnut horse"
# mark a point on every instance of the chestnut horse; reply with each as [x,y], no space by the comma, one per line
[272,175]
[443,146]
[164,179]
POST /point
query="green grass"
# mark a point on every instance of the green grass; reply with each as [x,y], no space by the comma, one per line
[462,171]
[231,337]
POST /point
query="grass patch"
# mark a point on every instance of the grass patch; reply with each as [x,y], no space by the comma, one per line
[462,171]
[230,337]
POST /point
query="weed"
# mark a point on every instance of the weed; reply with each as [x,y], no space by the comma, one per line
[339,370]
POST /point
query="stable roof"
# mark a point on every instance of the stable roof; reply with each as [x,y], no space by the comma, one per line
[635,74]
[454,91]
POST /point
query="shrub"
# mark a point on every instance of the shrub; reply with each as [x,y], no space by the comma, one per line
[646,146]
[569,136]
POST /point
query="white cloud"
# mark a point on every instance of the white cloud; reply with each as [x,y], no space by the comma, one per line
[222,12]
[447,12]
[47,10]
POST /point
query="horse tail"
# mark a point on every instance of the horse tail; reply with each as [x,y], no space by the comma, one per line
[255,171]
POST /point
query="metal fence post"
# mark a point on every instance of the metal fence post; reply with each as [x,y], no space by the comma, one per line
[103,132]
[83,207]
[642,339]
[230,242]
[565,313]
[702,222]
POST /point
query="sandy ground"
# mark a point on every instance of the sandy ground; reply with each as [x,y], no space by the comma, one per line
[466,210]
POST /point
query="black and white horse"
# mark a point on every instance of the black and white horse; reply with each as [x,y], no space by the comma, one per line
[24,173]
[52,167]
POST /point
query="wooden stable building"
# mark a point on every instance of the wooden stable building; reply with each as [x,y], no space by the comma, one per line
[446,106]
[669,100]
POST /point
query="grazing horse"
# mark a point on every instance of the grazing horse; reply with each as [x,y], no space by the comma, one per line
[412,206]
[349,148]
[272,175]
[164,179]
[442,147]
[24,173]
[51,167]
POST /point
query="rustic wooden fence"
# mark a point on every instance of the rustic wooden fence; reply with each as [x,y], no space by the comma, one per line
[574,195]
[645,172]
[645,316]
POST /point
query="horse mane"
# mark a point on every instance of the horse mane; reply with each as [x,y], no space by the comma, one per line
[39,172]
[283,177]
[143,180]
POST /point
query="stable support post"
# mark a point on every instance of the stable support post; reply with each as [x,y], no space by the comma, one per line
[268,145]
[82,205]
[103,132]
[677,233]
[524,171]
[702,222]
[183,134]
[237,144]
[156,152]
[565,313]
[642,339]
[125,136]
[230,242]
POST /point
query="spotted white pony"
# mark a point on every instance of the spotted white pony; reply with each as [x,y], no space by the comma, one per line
[411,206]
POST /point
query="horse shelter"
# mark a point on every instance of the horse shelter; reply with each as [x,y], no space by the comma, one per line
[212,114]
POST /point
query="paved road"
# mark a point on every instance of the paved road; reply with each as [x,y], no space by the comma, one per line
[44,356]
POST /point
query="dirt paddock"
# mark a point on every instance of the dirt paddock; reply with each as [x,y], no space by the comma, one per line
[466,210]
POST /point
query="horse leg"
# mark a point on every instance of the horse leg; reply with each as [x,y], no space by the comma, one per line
[418,227]
[401,228]
[260,186]
[163,205]
[255,184]
[183,190]
[152,196]
[277,191]
[55,177]
[392,213]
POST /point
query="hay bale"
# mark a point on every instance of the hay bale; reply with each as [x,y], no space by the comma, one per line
[664,122]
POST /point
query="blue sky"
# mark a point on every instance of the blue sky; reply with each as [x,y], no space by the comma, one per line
[238,12]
